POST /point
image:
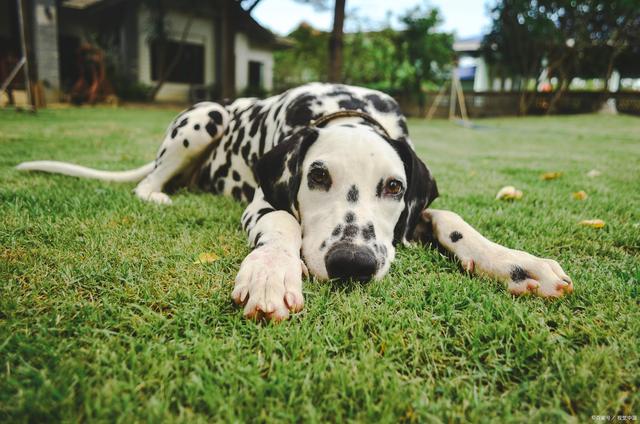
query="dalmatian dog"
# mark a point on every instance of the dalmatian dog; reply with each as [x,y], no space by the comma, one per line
[333,186]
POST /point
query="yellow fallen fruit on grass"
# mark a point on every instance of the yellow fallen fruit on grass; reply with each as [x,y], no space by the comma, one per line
[579,195]
[509,193]
[206,258]
[593,223]
[550,175]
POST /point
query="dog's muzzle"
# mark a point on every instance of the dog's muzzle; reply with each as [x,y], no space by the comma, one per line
[346,261]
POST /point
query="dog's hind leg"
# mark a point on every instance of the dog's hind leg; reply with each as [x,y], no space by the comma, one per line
[188,137]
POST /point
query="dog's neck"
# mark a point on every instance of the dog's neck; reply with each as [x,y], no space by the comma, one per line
[352,116]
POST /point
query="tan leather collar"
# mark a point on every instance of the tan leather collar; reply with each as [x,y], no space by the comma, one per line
[323,120]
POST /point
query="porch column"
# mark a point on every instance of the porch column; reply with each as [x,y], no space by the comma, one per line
[45,37]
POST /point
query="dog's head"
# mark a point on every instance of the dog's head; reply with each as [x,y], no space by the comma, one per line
[356,192]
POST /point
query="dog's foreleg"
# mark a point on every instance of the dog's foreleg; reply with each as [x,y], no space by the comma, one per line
[520,271]
[269,282]
[186,140]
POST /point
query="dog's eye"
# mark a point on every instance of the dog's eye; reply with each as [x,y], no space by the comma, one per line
[318,176]
[393,187]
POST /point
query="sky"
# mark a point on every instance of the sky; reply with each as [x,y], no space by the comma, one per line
[467,18]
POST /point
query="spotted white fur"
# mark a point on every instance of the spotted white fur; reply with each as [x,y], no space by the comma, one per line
[263,152]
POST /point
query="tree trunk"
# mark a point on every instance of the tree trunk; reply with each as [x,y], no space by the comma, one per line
[612,59]
[565,82]
[335,43]
[523,103]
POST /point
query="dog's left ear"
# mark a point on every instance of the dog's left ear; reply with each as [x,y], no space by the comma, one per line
[421,191]
[278,172]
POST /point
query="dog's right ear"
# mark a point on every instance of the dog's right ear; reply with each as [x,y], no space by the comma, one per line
[278,171]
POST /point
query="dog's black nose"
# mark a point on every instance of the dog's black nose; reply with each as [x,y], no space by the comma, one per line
[349,261]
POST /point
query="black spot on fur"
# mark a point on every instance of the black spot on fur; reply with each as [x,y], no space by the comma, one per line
[227,145]
[379,188]
[162,152]
[235,175]
[262,212]
[246,218]
[350,231]
[299,113]
[220,186]
[246,149]
[223,170]
[455,236]
[216,117]
[323,245]
[263,138]
[212,129]
[236,193]
[174,133]
[519,274]
[183,123]
[353,194]
[403,126]
[196,127]
[352,103]
[185,143]
[282,193]
[257,239]
[380,104]
[239,140]
[368,232]
[336,231]
[248,191]
[349,217]
[277,112]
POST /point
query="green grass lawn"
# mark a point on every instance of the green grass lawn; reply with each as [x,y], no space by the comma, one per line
[105,316]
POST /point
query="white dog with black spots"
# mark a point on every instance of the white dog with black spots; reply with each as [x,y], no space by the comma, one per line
[333,186]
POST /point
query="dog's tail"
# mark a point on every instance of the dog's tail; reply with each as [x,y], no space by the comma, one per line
[84,172]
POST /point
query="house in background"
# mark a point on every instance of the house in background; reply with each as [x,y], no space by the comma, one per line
[225,52]
[472,69]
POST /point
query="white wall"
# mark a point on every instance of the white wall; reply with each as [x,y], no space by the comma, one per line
[244,53]
[201,32]
[481,81]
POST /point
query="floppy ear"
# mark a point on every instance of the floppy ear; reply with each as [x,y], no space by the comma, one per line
[278,171]
[421,191]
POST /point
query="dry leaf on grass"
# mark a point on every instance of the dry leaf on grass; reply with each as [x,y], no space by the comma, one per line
[579,195]
[509,193]
[593,223]
[550,176]
[206,258]
[593,173]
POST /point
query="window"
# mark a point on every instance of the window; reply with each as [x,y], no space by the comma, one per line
[190,66]
[255,74]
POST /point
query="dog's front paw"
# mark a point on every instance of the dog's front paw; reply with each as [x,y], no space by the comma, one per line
[543,277]
[269,284]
